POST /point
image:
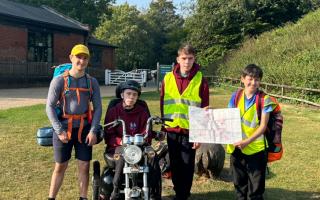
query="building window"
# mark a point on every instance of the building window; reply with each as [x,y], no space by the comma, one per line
[39,47]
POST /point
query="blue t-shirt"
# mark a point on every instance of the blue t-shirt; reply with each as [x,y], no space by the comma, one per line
[248,103]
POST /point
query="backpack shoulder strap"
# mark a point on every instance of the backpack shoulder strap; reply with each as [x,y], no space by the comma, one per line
[66,86]
[260,103]
[66,73]
[67,81]
[277,108]
[237,97]
[88,76]
[89,85]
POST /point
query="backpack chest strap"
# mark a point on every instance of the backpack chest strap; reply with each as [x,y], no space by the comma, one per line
[67,87]
[70,122]
[78,90]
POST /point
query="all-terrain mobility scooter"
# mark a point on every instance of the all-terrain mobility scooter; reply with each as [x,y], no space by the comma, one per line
[136,152]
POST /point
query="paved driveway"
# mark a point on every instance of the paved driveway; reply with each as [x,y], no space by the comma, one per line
[10,98]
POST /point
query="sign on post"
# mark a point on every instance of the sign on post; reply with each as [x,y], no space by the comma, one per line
[162,70]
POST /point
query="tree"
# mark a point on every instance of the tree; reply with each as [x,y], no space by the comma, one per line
[219,26]
[86,11]
[214,28]
[127,30]
[265,15]
[166,29]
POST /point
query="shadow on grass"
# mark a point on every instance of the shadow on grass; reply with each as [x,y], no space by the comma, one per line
[270,194]
[226,174]
[282,194]
[270,174]
[221,195]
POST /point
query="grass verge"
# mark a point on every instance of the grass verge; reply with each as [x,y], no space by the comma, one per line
[27,167]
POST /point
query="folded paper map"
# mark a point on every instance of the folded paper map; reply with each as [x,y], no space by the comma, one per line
[220,126]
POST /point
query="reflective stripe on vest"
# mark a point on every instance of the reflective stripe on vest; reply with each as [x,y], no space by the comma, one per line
[176,106]
[249,124]
[182,101]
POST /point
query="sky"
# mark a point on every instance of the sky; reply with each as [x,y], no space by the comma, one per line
[144,4]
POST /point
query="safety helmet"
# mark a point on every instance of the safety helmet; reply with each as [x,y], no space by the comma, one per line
[130,84]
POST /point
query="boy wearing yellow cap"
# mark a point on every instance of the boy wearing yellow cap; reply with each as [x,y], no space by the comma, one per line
[78,125]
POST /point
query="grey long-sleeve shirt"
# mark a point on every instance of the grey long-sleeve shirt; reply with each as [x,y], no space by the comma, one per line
[72,107]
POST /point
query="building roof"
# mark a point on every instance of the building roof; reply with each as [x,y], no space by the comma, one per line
[94,41]
[43,15]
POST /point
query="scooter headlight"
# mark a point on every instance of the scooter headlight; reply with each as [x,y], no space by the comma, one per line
[132,154]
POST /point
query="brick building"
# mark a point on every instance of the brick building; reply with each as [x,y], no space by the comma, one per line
[35,38]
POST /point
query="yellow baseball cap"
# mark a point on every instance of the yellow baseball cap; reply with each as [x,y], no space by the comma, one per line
[80,48]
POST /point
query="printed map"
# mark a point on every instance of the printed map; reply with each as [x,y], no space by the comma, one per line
[220,126]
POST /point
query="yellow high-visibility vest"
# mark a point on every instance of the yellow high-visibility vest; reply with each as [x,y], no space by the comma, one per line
[176,106]
[249,124]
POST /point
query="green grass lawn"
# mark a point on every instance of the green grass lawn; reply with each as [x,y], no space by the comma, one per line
[27,167]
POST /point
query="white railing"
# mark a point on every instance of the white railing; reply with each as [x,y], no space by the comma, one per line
[117,76]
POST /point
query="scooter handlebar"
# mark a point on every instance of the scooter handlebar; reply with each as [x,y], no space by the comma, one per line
[156,120]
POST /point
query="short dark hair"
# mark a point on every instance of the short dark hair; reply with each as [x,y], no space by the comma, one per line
[187,49]
[252,70]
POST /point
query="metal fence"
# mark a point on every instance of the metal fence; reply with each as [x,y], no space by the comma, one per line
[117,76]
[28,74]
[24,74]
[24,69]
[275,90]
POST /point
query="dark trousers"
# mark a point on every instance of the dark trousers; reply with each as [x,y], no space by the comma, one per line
[182,158]
[62,151]
[154,176]
[248,174]
[119,164]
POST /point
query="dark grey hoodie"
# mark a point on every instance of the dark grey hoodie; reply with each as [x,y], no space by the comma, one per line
[72,107]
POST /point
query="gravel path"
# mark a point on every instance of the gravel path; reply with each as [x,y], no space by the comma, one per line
[11,98]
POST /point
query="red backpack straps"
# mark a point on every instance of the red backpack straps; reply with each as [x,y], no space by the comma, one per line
[65,89]
[260,103]
[277,108]
[237,97]
[81,117]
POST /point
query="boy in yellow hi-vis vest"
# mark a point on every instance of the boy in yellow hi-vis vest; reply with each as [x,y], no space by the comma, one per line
[181,88]
[248,161]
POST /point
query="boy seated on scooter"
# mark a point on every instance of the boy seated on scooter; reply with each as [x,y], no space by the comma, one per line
[135,113]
